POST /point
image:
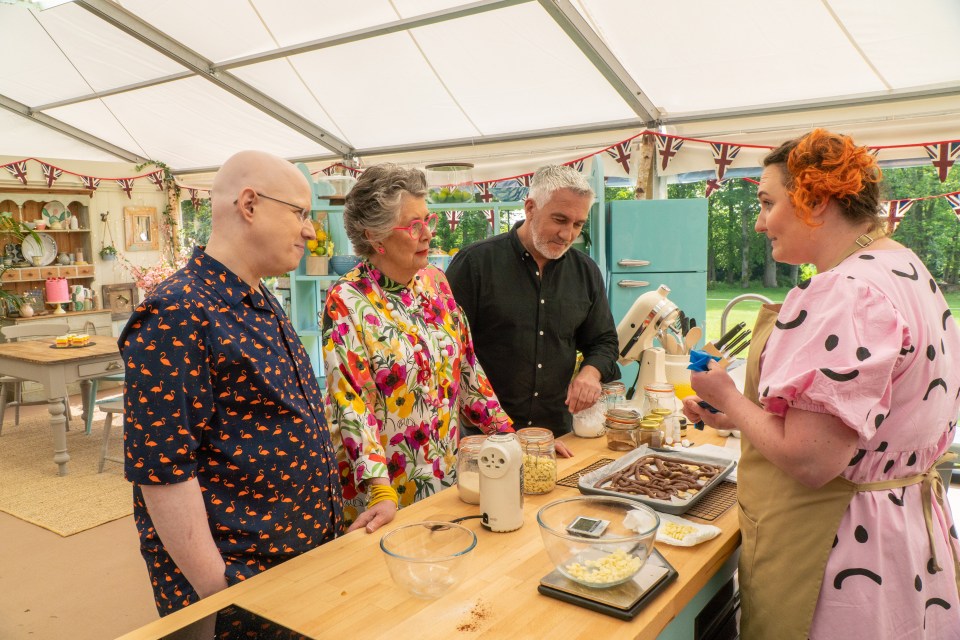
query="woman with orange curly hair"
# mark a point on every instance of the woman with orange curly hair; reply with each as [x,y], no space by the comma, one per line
[851,400]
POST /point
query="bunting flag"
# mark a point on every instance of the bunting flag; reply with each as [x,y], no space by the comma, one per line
[127,185]
[90,182]
[576,164]
[667,147]
[483,189]
[328,171]
[723,156]
[714,184]
[18,170]
[942,156]
[194,198]
[491,218]
[50,173]
[954,200]
[620,152]
[874,151]
[156,178]
[453,218]
[895,211]
[524,180]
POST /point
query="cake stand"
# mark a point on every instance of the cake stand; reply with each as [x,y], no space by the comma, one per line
[58,310]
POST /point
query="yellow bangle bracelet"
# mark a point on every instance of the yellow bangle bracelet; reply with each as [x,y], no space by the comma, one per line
[381,492]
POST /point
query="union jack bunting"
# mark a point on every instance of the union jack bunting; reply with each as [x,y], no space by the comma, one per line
[723,156]
[328,170]
[18,170]
[90,182]
[483,188]
[895,211]
[954,200]
[874,151]
[156,178]
[713,185]
[943,155]
[453,218]
[50,173]
[127,185]
[524,180]
[194,198]
[491,218]
[620,153]
[667,147]
[576,164]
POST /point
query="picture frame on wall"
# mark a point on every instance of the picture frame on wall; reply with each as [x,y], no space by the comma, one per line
[120,299]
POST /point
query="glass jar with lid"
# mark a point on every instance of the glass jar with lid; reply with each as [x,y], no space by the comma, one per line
[621,426]
[449,182]
[468,470]
[659,395]
[539,460]
[649,434]
[613,393]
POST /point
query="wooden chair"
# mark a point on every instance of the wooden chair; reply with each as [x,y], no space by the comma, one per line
[109,407]
[25,332]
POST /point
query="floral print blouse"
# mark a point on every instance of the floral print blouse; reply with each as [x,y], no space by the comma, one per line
[401,374]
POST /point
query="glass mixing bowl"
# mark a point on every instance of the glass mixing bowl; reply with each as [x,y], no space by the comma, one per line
[603,555]
[428,558]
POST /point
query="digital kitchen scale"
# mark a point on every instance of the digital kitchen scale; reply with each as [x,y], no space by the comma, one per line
[236,623]
[623,601]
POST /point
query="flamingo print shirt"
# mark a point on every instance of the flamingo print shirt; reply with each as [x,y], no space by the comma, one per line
[401,374]
[219,388]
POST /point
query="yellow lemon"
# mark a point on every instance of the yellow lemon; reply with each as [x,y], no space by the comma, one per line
[312,244]
[453,252]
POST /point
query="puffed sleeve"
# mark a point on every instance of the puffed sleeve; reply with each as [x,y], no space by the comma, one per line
[351,399]
[835,346]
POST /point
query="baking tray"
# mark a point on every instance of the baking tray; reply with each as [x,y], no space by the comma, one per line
[675,505]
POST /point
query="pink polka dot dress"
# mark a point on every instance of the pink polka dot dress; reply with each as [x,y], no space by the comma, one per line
[873,342]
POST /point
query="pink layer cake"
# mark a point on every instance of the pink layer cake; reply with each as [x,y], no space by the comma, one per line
[56,290]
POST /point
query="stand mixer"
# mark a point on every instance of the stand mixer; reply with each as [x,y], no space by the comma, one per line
[651,314]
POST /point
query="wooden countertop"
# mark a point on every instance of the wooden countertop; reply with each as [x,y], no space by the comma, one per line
[343,589]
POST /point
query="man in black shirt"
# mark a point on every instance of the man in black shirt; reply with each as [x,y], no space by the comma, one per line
[532,304]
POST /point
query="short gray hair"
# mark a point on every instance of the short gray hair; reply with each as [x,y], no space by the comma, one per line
[373,204]
[554,177]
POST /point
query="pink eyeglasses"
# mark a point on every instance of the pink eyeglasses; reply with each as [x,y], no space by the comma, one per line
[416,227]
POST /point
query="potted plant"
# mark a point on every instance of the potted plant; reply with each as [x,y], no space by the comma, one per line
[108,253]
[19,230]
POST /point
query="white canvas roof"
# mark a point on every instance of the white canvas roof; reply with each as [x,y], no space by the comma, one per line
[507,84]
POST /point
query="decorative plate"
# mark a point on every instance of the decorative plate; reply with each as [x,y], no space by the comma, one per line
[46,249]
[54,212]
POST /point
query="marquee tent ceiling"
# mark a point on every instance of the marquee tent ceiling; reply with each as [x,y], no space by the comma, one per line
[498,82]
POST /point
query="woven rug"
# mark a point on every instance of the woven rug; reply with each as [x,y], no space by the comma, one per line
[31,490]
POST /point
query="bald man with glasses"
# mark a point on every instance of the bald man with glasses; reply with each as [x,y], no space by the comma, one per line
[226,444]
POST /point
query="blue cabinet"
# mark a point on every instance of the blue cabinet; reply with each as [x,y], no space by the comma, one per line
[654,242]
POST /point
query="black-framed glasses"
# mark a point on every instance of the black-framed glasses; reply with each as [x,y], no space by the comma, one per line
[416,227]
[302,213]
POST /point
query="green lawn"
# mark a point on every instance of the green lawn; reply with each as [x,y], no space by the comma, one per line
[719,295]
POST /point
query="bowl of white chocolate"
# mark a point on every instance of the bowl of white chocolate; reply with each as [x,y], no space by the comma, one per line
[591,542]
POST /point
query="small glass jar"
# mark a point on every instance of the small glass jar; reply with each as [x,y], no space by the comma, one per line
[659,395]
[621,426]
[649,434]
[468,471]
[539,460]
[614,394]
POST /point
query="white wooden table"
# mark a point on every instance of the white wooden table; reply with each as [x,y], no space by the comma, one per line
[55,369]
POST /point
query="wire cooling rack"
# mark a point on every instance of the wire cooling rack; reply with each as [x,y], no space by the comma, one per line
[710,507]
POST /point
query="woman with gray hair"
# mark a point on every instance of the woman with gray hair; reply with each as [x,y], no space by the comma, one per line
[400,366]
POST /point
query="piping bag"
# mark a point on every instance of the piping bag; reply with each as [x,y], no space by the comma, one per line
[699,361]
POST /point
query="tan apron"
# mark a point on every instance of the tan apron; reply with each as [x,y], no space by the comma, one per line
[788,529]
